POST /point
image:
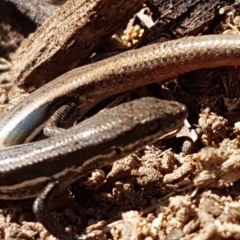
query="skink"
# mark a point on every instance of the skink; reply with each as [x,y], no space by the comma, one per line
[89,84]
[48,164]
[54,163]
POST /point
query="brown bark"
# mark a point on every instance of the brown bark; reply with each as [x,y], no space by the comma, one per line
[65,39]
[180,18]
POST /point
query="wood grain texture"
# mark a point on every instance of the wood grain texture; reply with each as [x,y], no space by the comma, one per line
[180,18]
[66,38]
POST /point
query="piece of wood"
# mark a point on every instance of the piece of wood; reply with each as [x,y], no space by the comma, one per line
[180,18]
[66,39]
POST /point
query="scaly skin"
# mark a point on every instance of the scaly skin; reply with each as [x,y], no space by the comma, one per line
[88,85]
